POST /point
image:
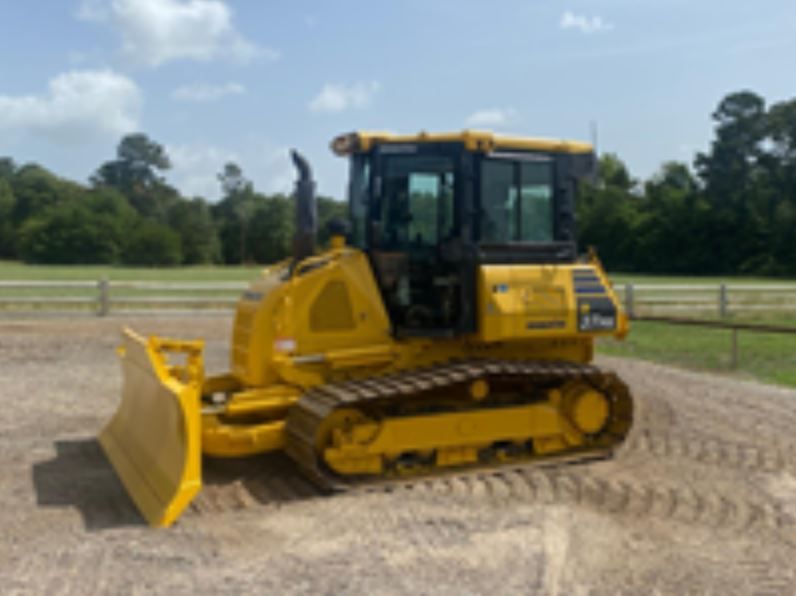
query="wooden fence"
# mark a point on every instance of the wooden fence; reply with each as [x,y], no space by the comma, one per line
[717,300]
[103,297]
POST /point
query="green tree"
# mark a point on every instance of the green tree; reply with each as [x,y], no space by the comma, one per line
[198,236]
[70,233]
[135,173]
[7,168]
[7,231]
[669,234]
[781,187]
[731,173]
[233,181]
[234,213]
[36,189]
[608,214]
[151,244]
[270,232]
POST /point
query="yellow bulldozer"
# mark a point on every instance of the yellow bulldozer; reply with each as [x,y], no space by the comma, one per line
[449,324]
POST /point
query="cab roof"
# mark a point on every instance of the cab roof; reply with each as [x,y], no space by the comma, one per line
[473,140]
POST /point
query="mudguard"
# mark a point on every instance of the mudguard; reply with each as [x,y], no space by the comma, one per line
[154,439]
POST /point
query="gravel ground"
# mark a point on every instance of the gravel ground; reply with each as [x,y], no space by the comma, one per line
[701,499]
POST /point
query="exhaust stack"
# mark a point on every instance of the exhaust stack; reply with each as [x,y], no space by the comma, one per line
[306,217]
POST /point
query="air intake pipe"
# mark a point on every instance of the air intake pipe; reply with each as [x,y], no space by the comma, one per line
[306,217]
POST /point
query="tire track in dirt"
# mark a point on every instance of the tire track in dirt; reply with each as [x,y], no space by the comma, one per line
[240,484]
[580,484]
[621,496]
[723,406]
[767,578]
[709,451]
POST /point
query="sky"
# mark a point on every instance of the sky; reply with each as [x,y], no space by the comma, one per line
[245,80]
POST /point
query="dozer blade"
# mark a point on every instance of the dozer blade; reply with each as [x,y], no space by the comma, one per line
[154,439]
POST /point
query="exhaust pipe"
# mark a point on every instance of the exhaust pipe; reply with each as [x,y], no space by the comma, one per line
[306,216]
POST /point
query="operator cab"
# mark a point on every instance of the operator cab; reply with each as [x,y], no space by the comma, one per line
[429,209]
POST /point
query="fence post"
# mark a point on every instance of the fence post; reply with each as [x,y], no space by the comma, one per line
[723,302]
[629,300]
[103,297]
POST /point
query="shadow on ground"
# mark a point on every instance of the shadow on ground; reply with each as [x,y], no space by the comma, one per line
[80,476]
[269,479]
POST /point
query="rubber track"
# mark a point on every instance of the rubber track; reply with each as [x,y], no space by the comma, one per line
[309,412]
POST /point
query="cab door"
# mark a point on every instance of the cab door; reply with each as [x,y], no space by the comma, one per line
[414,221]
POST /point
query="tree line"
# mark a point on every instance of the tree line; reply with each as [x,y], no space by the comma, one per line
[732,211]
[128,214]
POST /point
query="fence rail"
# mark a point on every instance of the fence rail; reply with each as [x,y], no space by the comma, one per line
[103,297]
[722,299]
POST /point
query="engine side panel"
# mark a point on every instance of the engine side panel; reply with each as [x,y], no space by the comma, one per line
[517,302]
[329,304]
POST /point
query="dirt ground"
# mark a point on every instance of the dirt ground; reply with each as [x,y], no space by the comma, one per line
[701,500]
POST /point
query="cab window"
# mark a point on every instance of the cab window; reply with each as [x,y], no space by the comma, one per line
[516,199]
[417,205]
[359,193]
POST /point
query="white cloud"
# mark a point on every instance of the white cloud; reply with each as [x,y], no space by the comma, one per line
[195,168]
[154,32]
[92,10]
[79,104]
[583,23]
[493,117]
[204,93]
[335,97]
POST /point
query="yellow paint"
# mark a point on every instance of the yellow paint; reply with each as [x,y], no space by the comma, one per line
[153,441]
[473,140]
[221,439]
[479,389]
[458,436]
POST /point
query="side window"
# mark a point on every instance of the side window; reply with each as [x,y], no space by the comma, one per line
[359,191]
[499,197]
[516,201]
[536,202]
[423,192]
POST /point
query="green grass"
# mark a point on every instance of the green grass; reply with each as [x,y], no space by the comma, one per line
[625,278]
[767,357]
[19,271]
